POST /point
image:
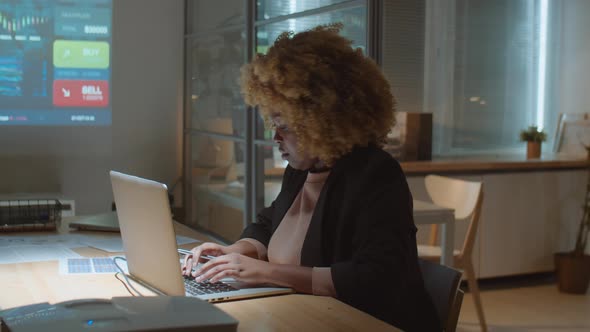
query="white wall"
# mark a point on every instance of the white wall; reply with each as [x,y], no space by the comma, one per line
[148,82]
[146,135]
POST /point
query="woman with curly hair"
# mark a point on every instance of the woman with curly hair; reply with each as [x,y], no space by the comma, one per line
[342,224]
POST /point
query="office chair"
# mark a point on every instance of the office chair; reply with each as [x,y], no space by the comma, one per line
[442,284]
[466,198]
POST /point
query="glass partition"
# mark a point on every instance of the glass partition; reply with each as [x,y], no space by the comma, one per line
[274,167]
[354,20]
[214,15]
[214,82]
[266,9]
[218,189]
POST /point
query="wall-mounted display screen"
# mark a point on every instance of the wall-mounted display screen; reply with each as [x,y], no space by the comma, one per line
[55,62]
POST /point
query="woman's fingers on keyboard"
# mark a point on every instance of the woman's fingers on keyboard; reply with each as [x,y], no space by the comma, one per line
[211,263]
[201,254]
[186,267]
[189,260]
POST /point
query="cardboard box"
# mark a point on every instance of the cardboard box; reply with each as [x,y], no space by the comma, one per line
[411,138]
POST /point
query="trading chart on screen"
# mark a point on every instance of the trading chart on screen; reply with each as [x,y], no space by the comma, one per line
[55,62]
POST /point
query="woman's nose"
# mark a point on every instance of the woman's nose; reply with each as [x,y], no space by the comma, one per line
[277,137]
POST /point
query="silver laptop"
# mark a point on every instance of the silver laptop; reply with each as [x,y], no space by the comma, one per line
[149,242]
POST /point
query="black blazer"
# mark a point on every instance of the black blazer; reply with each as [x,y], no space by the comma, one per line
[363,228]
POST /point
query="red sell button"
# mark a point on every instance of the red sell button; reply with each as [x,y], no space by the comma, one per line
[80,93]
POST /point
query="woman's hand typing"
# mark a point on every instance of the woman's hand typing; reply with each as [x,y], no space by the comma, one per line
[207,248]
[240,267]
[239,261]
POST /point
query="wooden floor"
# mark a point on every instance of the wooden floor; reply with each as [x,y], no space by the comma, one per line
[530,303]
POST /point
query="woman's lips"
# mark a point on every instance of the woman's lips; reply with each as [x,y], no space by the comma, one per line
[284,154]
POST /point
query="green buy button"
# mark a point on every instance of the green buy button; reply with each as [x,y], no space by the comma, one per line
[80,54]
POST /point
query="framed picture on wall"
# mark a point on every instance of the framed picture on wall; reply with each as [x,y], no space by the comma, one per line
[572,135]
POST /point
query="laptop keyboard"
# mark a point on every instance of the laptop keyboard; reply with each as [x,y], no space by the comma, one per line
[202,288]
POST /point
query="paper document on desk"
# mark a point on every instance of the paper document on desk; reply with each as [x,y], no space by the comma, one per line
[67,240]
[35,253]
[94,265]
[115,244]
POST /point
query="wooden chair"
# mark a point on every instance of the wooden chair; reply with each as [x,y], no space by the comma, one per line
[442,283]
[466,198]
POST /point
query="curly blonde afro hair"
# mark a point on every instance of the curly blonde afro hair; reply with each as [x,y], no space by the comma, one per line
[330,95]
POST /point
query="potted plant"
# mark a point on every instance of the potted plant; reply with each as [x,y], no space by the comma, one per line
[573,268]
[534,137]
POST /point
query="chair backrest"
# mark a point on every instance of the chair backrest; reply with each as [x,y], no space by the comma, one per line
[442,284]
[465,197]
[456,194]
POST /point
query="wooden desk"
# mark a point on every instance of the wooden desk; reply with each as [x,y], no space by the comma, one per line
[28,283]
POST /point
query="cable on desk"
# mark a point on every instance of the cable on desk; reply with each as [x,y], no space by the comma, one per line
[124,284]
[127,283]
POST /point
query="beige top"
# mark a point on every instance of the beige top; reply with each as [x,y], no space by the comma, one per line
[286,242]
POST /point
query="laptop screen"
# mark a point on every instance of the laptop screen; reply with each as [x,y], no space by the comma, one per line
[147,231]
